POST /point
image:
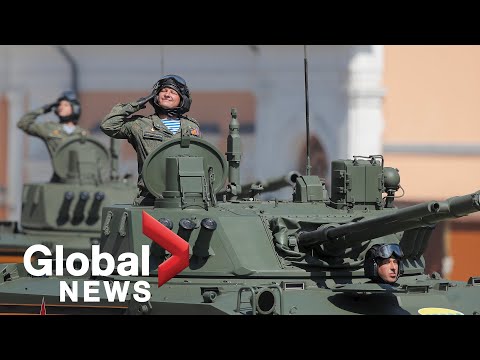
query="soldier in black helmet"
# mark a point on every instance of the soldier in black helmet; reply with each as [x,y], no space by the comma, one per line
[67,108]
[170,98]
[383,263]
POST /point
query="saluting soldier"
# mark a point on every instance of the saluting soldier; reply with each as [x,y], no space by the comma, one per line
[67,108]
[170,99]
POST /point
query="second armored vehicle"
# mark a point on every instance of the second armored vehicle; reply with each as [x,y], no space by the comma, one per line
[68,211]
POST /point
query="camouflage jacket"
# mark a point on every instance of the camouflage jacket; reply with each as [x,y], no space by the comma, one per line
[144,133]
[52,133]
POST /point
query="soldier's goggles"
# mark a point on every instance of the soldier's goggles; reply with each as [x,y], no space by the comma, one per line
[386,251]
[69,96]
[175,79]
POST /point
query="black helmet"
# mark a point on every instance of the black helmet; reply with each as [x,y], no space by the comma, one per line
[180,86]
[71,97]
[381,251]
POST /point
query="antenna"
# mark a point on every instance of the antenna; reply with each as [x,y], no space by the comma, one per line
[162,62]
[306,108]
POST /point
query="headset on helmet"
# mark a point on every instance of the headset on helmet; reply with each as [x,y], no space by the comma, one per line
[71,97]
[180,86]
[382,251]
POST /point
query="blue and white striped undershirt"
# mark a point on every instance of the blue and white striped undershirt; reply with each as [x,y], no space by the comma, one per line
[172,124]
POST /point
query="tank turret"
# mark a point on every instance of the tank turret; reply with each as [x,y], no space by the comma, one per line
[68,210]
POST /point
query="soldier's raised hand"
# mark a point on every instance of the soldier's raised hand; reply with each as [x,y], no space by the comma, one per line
[47,108]
[143,100]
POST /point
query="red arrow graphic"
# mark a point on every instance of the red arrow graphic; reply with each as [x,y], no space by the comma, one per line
[171,242]
[43,308]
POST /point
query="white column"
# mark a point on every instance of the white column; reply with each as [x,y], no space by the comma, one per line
[365,109]
[15,154]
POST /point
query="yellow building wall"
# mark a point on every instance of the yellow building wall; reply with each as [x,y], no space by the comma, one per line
[432,97]
[464,247]
[432,93]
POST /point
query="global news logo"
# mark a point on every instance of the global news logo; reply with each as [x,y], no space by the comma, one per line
[128,264]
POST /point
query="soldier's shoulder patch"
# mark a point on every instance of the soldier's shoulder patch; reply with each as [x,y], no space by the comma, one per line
[195,132]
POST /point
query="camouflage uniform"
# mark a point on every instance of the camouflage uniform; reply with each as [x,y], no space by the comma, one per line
[52,133]
[145,134]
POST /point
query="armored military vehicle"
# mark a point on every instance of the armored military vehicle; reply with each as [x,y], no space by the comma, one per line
[244,256]
[209,245]
[68,211]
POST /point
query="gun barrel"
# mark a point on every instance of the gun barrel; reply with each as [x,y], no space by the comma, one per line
[458,206]
[412,212]
[271,184]
[400,220]
[274,183]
